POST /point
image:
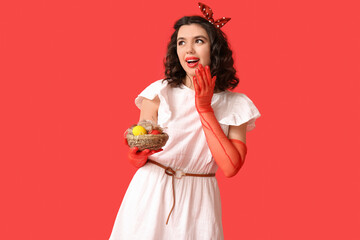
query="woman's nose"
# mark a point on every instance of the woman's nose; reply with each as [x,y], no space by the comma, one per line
[190,48]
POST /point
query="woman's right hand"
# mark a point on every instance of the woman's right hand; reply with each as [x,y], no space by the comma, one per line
[139,158]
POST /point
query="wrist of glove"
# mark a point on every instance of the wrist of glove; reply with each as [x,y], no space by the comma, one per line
[203,104]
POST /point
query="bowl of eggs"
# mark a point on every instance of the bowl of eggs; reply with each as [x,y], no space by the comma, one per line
[146,135]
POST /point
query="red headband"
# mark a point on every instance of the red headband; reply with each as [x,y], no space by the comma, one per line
[208,14]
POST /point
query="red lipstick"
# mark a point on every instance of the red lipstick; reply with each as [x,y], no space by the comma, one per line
[192,61]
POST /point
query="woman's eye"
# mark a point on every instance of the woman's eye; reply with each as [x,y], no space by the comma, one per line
[181,43]
[199,41]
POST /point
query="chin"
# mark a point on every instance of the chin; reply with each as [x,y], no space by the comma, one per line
[191,74]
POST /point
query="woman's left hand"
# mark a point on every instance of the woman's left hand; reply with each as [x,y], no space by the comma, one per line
[204,89]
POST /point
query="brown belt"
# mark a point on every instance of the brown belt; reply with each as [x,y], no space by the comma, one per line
[177,174]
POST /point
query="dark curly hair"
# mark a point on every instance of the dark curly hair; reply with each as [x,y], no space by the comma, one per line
[222,62]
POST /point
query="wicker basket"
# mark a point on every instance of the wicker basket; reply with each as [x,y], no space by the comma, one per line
[147,141]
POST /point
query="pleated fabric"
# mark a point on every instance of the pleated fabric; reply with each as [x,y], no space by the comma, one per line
[149,198]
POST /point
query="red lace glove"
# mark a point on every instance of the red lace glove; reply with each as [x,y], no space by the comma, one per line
[139,158]
[204,89]
[228,154]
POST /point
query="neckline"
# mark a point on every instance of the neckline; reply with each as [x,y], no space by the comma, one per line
[193,91]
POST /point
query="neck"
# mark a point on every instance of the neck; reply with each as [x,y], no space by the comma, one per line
[188,82]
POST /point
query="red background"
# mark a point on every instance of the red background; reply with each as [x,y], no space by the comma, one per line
[70,71]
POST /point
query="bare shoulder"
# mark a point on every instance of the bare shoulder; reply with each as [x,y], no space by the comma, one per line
[149,109]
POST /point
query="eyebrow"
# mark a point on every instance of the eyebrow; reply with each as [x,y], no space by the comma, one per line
[199,36]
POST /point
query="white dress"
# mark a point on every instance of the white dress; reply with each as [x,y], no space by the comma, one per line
[149,199]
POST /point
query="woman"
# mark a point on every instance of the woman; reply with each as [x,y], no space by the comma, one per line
[207,127]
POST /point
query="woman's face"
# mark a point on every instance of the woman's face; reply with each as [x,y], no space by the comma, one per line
[193,47]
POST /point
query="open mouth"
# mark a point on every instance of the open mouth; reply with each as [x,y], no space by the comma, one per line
[192,62]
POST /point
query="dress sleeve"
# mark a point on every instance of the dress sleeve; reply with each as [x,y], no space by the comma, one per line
[149,92]
[239,109]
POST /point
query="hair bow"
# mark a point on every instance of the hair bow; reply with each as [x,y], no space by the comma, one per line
[208,14]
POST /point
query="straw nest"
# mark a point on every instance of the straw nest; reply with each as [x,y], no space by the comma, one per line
[147,141]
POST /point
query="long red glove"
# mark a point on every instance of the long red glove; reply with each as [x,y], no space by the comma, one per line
[228,154]
[139,158]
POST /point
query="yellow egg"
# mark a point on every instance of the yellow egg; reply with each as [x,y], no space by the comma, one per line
[139,130]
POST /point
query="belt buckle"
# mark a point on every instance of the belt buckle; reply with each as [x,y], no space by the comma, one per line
[179,174]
